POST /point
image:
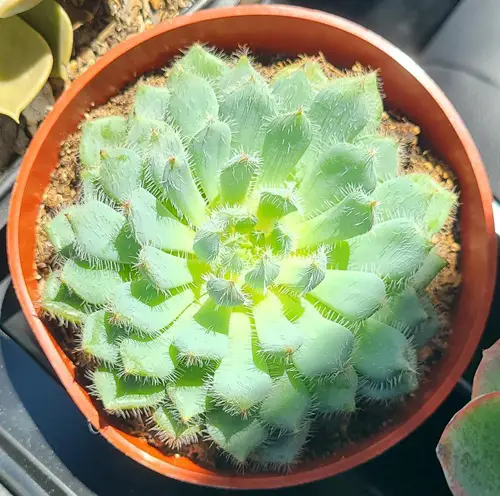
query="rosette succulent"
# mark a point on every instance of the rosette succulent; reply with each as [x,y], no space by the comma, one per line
[245,258]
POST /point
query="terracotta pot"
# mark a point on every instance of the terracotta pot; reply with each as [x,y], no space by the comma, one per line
[292,31]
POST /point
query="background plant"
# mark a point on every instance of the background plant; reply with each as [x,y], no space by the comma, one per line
[245,257]
[469,451]
[36,39]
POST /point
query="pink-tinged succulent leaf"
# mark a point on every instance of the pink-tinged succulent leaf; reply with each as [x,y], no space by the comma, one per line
[487,377]
[469,448]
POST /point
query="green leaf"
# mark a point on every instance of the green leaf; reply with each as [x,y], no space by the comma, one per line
[468,449]
[101,233]
[192,101]
[338,171]
[238,384]
[99,337]
[347,107]
[416,197]
[120,173]
[287,405]
[154,225]
[382,352]
[188,394]
[247,108]
[237,436]
[163,270]
[120,394]
[101,134]
[137,306]
[394,250]
[383,152]
[203,62]
[293,91]
[95,286]
[174,433]
[287,138]
[210,149]
[263,274]
[277,335]
[61,303]
[169,176]
[148,357]
[225,292]
[151,102]
[354,295]
[327,346]
[283,451]
[236,176]
[431,267]
[337,395]
[59,231]
[303,274]
[352,217]
[200,334]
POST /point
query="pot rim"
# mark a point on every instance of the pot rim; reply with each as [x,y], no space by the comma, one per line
[78,394]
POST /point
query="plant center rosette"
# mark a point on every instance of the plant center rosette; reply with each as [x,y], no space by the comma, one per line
[245,257]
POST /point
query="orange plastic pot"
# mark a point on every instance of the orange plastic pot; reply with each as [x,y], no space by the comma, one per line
[272,30]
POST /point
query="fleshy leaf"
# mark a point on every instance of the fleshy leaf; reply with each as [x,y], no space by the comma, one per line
[239,384]
[170,177]
[151,102]
[200,334]
[148,357]
[394,250]
[95,286]
[154,225]
[382,352]
[287,138]
[174,433]
[60,232]
[210,149]
[417,197]
[337,395]
[188,394]
[247,107]
[163,270]
[140,307]
[286,406]
[352,217]
[277,335]
[101,233]
[338,171]
[50,20]
[468,448]
[120,173]
[293,91]
[327,346]
[236,176]
[25,65]
[61,303]
[354,295]
[99,337]
[101,134]
[487,376]
[120,394]
[237,436]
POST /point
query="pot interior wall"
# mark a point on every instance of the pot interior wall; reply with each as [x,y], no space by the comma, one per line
[290,35]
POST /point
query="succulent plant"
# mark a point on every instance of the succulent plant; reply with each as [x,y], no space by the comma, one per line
[36,39]
[245,257]
[468,450]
